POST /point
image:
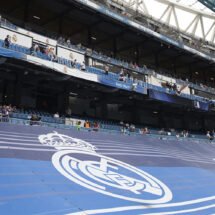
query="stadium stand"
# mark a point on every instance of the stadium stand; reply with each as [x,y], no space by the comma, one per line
[24,117]
[113,76]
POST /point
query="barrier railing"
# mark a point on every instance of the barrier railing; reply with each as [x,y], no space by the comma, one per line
[16,121]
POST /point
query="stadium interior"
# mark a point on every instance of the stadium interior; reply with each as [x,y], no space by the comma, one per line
[107,107]
[100,33]
[31,86]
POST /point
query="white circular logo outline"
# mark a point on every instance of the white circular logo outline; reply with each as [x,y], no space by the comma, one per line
[66,171]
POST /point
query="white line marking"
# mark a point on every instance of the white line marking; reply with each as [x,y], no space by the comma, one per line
[16,139]
[178,155]
[141,207]
[26,134]
[24,144]
[157,152]
[143,154]
[162,156]
[183,211]
[28,149]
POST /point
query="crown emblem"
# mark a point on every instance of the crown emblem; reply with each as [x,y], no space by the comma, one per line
[61,141]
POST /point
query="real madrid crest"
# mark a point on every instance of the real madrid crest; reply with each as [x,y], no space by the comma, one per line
[14,38]
[65,69]
[79,162]
[71,55]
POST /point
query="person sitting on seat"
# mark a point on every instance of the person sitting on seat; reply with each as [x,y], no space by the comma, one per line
[106,69]
[96,126]
[74,63]
[122,75]
[83,66]
[7,42]
[132,128]
[56,115]
[87,124]
[34,120]
[146,130]
[35,49]
[162,132]
[78,125]
[209,135]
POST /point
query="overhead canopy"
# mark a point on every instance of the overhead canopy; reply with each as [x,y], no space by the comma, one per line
[71,19]
[209,3]
[188,16]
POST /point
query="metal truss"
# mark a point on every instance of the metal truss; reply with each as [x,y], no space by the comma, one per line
[178,14]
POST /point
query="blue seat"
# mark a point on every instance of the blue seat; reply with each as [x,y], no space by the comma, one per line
[1,43]
[12,46]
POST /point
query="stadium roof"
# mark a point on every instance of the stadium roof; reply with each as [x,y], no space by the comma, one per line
[74,20]
[188,16]
[196,4]
[209,3]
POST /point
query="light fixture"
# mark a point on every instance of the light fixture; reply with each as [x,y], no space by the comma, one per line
[74,94]
[93,38]
[36,17]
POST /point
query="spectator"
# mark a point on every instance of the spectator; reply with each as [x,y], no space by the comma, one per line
[169,132]
[68,42]
[210,135]
[95,126]
[60,40]
[55,58]
[74,63]
[35,49]
[121,123]
[87,124]
[162,131]
[5,111]
[126,129]
[78,125]
[83,67]
[46,50]
[56,115]
[122,127]
[141,131]
[122,75]
[7,41]
[132,128]
[106,69]
[146,131]
[134,84]
[34,120]
[50,53]
[5,114]
[127,125]
[185,133]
